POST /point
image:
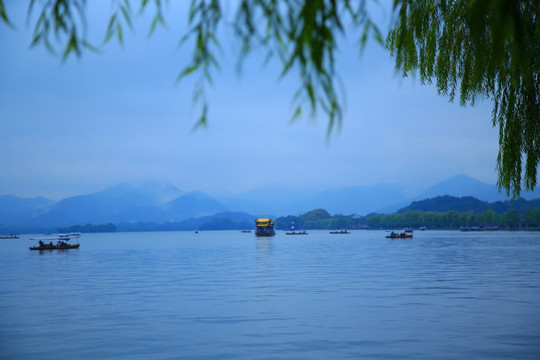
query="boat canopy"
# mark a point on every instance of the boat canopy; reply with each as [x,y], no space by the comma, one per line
[264,222]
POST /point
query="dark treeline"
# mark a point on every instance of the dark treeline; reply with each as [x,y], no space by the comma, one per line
[321,219]
[511,219]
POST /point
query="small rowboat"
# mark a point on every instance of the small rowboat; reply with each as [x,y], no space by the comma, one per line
[55,247]
[399,236]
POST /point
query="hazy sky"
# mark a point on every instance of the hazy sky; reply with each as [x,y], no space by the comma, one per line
[118,116]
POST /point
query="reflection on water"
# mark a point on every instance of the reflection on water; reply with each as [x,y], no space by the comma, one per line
[215,295]
[264,248]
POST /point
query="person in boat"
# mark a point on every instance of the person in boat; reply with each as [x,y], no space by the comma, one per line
[51,244]
[41,244]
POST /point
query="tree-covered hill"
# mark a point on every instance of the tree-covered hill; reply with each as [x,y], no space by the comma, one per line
[442,212]
[447,203]
[318,219]
[469,204]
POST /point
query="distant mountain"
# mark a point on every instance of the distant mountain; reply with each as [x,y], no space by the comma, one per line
[154,202]
[220,221]
[282,201]
[15,210]
[148,202]
[148,193]
[187,206]
[246,205]
[381,198]
[101,207]
[463,185]
[353,200]
[270,199]
[192,205]
[458,186]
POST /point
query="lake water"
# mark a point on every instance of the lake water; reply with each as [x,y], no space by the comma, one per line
[229,295]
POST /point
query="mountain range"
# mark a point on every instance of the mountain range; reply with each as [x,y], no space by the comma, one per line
[158,203]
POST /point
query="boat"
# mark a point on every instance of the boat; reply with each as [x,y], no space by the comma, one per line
[245,231]
[60,237]
[294,232]
[264,227]
[340,232]
[471,228]
[11,236]
[61,243]
[402,235]
[58,246]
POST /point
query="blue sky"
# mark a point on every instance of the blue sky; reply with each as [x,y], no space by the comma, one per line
[119,116]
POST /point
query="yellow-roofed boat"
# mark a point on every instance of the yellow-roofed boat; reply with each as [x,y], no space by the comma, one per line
[264,227]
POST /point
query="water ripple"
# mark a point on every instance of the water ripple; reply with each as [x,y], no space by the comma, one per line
[220,295]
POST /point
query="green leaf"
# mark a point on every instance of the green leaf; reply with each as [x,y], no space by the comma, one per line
[297,114]
[154,24]
[110,29]
[203,119]
[4,16]
[119,34]
[36,40]
[188,70]
[311,94]
[127,16]
[89,46]
[71,46]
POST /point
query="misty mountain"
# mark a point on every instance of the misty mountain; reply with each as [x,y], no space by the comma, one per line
[233,221]
[187,206]
[148,202]
[15,210]
[220,221]
[459,186]
[270,199]
[107,205]
[285,201]
[156,202]
[243,205]
[463,185]
[192,206]
[352,200]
